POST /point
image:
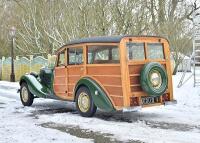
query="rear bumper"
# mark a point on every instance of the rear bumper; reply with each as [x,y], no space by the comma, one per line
[136,108]
[131,109]
[170,102]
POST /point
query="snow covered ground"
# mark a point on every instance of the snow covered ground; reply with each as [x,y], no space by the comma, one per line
[57,121]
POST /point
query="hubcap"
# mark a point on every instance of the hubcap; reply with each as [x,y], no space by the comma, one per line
[84,102]
[24,94]
[156,79]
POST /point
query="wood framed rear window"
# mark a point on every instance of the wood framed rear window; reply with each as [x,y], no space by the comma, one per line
[135,51]
[155,51]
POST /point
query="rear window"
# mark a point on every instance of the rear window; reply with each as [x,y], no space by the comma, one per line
[155,51]
[135,51]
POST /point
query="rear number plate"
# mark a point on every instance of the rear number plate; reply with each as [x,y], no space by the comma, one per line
[147,100]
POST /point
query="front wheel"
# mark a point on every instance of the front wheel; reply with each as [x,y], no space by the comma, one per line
[84,102]
[25,95]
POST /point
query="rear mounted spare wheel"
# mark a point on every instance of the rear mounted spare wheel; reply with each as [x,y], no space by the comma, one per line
[153,79]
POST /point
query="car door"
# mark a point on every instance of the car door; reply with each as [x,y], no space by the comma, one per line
[60,76]
[75,67]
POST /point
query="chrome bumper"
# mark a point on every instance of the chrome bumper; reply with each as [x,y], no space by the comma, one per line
[131,109]
[170,102]
[136,108]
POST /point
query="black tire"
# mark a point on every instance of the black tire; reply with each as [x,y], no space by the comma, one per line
[29,97]
[92,107]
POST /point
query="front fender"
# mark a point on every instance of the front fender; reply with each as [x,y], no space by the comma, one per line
[34,86]
[101,100]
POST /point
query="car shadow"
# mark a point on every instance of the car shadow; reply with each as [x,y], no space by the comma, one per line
[58,107]
[52,107]
[55,107]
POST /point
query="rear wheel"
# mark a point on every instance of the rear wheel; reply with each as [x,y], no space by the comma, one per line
[84,102]
[25,95]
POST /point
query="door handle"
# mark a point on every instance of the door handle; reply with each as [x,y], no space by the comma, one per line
[82,69]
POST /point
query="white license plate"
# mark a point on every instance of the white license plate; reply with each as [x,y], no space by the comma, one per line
[147,100]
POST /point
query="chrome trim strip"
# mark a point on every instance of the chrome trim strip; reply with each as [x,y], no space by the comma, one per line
[170,102]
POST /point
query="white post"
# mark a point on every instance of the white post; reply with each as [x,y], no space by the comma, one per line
[30,66]
[49,59]
[2,70]
[195,36]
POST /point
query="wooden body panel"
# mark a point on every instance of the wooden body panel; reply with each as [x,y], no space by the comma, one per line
[134,74]
[60,82]
[109,77]
[133,68]
[74,75]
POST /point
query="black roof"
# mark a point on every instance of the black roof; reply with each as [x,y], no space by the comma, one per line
[99,39]
[103,39]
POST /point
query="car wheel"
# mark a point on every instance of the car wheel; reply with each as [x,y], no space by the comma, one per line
[154,79]
[25,95]
[84,102]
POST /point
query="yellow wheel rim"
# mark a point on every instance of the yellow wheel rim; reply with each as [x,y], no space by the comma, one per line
[156,79]
[24,93]
[84,102]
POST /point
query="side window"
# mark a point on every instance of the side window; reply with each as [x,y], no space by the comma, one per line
[115,53]
[61,59]
[75,56]
[103,54]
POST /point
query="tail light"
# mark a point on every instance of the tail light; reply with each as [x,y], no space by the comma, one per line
[165,97]
[134,101]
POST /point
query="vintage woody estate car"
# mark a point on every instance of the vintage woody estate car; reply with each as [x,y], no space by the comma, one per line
[110,73]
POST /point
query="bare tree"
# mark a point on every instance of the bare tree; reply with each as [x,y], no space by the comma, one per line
[44,26]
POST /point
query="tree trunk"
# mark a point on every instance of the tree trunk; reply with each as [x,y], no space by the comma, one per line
[175,69]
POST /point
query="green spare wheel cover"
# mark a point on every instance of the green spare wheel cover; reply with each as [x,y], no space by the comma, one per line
[145,79]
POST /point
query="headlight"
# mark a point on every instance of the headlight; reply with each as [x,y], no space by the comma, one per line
[155,79]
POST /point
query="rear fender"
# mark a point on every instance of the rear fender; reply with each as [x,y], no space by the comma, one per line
[99,96]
